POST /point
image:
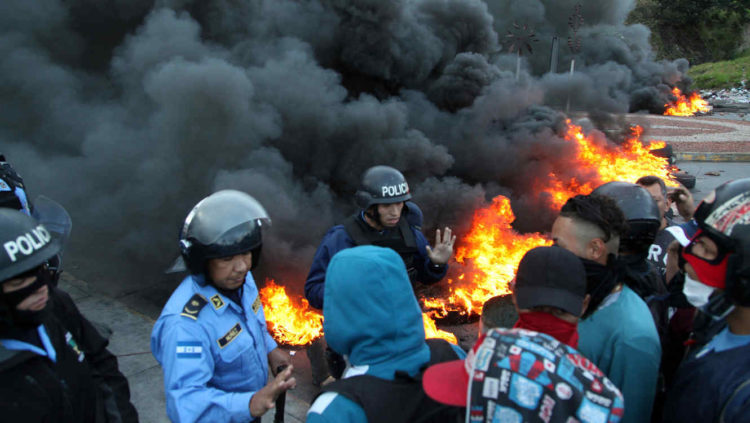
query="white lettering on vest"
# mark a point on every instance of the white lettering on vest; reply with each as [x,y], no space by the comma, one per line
[653,252]
[27,243]
[394,190]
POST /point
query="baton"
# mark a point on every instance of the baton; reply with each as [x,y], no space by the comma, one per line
[280,400]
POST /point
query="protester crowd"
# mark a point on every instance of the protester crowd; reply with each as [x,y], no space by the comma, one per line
[638,312]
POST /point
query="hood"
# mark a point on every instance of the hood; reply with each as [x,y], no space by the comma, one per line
[370,312]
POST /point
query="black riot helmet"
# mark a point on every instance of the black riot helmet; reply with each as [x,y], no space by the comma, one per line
[223,224]
[382,185]
[724,216]
[641,212]
[26,243]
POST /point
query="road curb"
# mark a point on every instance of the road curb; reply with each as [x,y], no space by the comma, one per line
[712,157]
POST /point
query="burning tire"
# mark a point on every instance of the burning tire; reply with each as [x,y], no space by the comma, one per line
[685,179]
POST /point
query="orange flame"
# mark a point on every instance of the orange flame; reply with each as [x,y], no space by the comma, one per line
[431,330]
[607,162]
[489,254]
[686,106]
[288,322]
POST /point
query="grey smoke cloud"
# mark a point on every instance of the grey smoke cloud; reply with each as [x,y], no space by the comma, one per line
[131,113]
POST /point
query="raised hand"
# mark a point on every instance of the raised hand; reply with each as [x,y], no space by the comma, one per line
[443,249]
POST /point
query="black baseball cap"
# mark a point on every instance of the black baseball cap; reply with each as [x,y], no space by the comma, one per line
[551,276]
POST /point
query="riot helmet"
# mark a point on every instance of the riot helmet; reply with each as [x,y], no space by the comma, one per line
[26,243]
[382,185]
[724,216]
[223,224]
[641,212]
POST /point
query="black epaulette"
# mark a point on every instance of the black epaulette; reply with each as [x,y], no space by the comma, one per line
[194,306]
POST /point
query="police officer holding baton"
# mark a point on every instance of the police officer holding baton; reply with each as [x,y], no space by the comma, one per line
[211,338]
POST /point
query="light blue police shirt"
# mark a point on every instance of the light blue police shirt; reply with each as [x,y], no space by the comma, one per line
[213,352]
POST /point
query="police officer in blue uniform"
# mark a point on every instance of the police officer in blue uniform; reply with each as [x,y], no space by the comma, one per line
[211,338]
[385,219]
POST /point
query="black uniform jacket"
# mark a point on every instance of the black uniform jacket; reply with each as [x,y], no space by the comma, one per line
[82,385]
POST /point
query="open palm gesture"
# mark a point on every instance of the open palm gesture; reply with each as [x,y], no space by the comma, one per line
[443,249]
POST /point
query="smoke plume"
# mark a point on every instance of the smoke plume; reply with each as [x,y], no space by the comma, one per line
[130,112]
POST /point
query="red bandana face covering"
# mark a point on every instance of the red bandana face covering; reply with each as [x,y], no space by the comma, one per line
[710,272]
[555,327]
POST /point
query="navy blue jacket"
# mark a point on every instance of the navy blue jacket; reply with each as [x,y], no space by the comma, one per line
[336,239]
[711,386]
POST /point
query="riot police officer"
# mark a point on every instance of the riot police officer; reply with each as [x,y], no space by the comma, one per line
[382,221]
[54,366]
[211,338]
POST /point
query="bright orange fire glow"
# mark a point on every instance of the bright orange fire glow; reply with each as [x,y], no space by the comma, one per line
[488,256]
[685,106]
[431,330]
[607,162]
[289,322]
[493,249]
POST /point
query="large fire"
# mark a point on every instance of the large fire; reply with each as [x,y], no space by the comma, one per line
[686,106]
[627,162]
[488,256]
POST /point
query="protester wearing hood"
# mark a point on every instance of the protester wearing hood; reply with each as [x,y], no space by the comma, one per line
[211,338]
[713,383]
[515,375]
[386,220]
[617,332]
[372,318]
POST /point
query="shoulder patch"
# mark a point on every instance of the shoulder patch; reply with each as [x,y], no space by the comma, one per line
[194,306]
[217,302]
[256,304]
[189,349]
[229,336]
[4,185]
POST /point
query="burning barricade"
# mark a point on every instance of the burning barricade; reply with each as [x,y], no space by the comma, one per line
[686,105]
[487,256]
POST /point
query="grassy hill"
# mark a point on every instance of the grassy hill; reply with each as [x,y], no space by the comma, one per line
[723,74]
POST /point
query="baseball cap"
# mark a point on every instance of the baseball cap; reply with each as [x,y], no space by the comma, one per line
[551,276]
[515,375]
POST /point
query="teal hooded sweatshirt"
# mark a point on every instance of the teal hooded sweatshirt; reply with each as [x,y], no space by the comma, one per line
[372,317]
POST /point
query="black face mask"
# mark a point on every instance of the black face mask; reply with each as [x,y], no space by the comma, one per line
[27,319]
[636,273]
[600,281]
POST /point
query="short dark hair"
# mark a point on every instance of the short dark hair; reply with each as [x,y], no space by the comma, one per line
[647,181]
[598,210]
[499,312]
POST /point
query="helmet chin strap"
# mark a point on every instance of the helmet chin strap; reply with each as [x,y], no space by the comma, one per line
[372,213]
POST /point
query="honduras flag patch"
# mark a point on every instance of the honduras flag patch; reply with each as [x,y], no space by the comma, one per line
[189,349]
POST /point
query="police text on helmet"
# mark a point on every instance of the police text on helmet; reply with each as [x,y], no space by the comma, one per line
[394,190]
[27,243]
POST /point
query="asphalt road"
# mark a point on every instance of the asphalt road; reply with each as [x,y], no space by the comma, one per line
[705,183]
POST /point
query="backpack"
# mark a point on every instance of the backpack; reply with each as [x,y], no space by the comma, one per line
[401,400]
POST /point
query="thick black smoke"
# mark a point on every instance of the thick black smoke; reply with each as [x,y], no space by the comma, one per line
[130,113]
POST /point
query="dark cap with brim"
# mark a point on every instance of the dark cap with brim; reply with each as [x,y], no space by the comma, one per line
[551,276]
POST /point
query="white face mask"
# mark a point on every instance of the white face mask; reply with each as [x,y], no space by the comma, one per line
[697,293]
